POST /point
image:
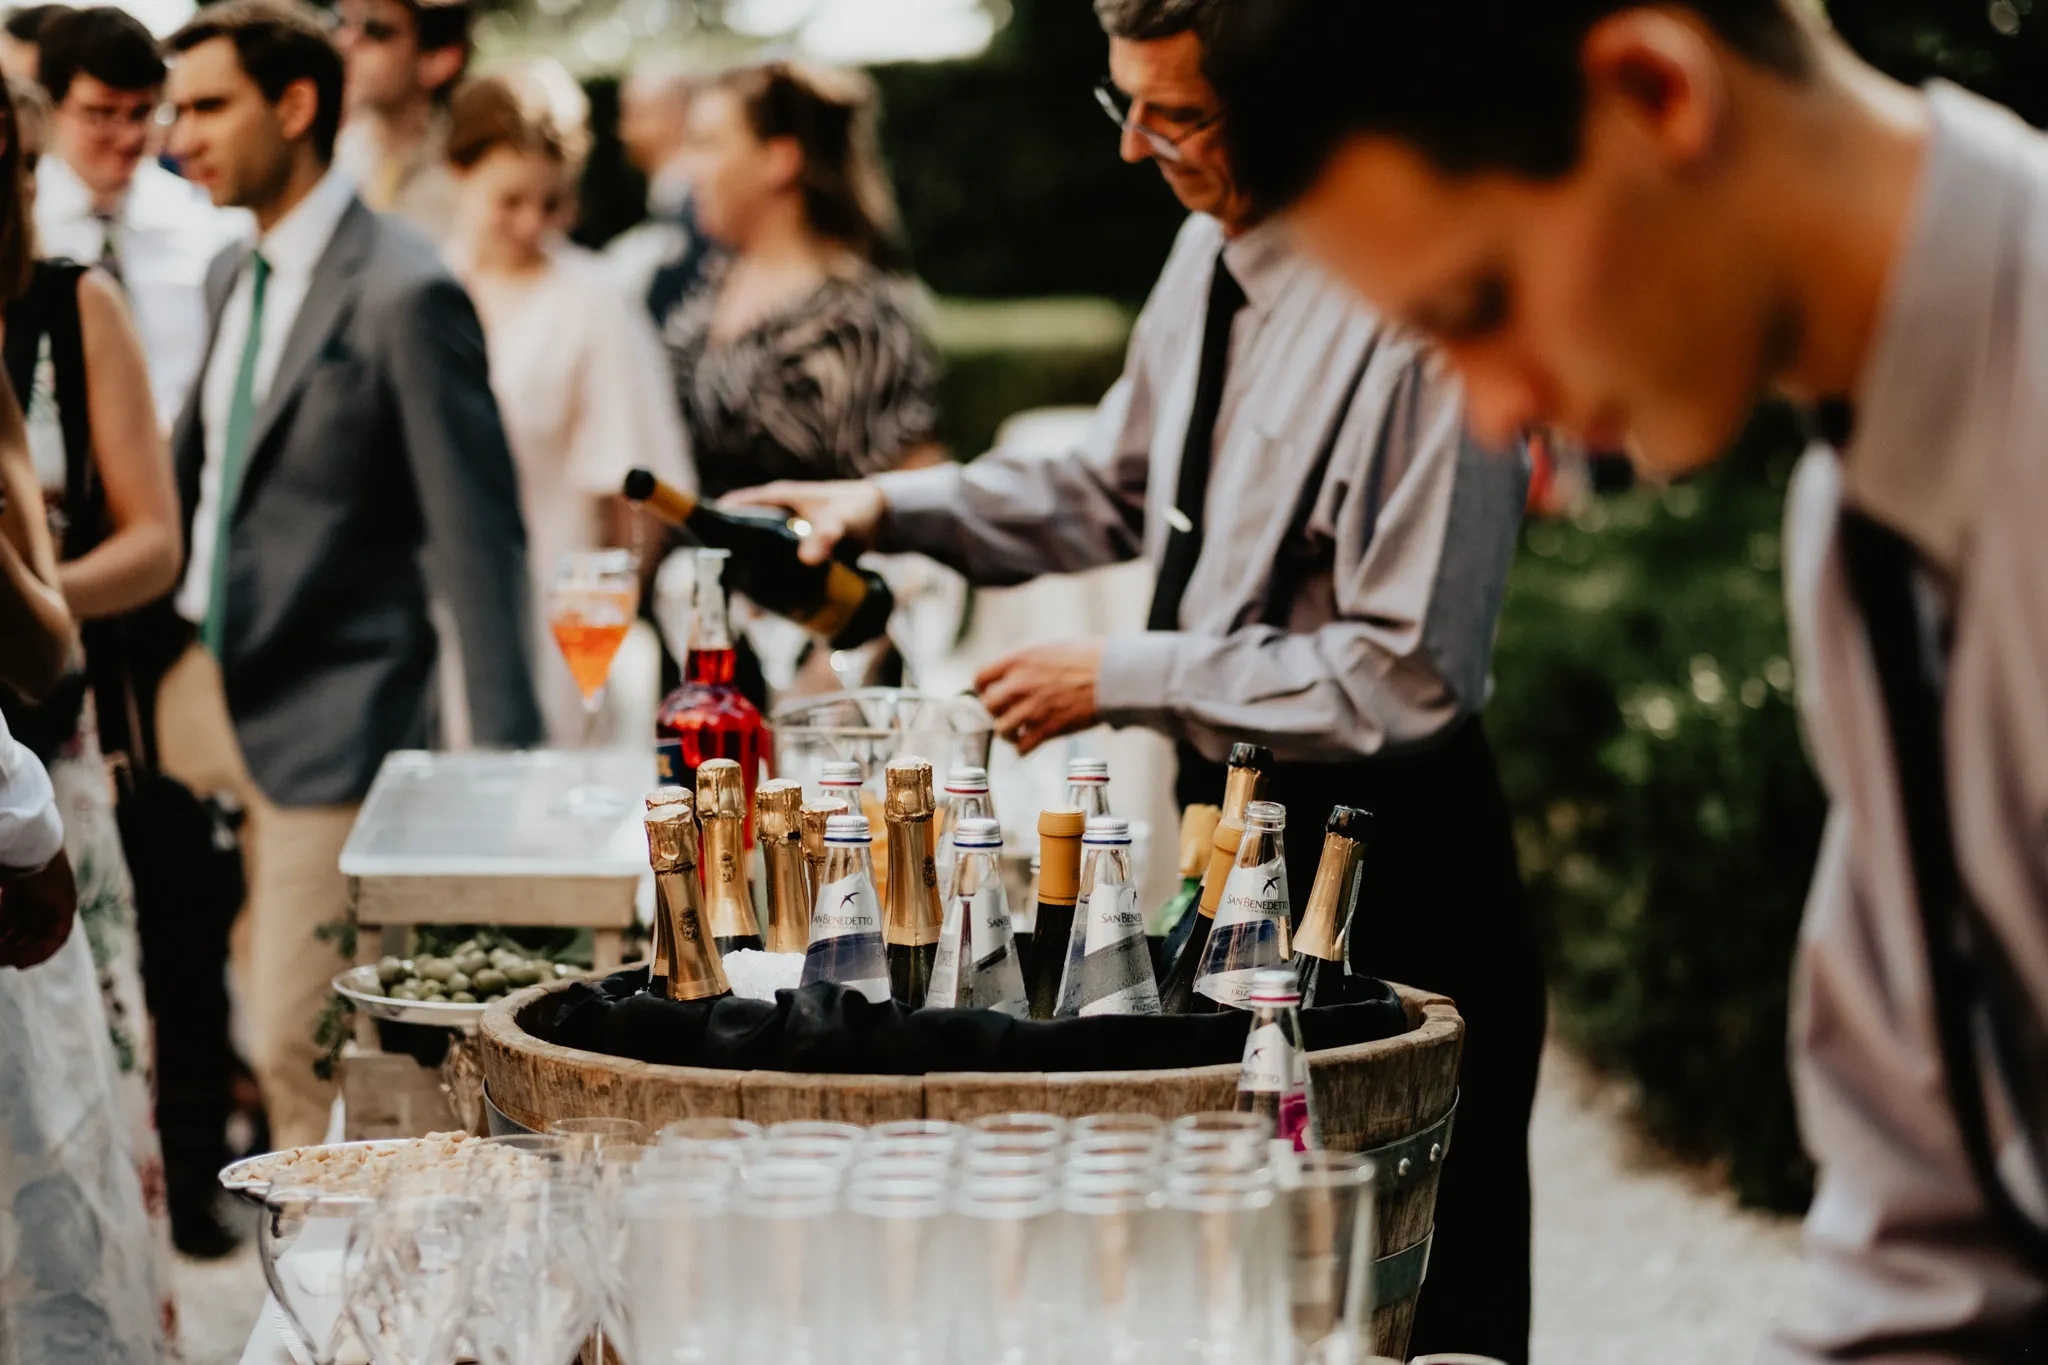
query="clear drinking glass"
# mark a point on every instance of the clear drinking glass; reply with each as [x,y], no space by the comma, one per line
[1225,1261]
[1328,1209]
[895,1261]
[1117,1301]
[788,1263]
[410,1297]
[917,1128]
[1003,1253]
[592,602]
[680,1280]
[1042,1130]
[305,1240]
[593,1133]
[534,1293]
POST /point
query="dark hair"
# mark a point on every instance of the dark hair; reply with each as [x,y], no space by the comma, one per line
[441,23]
[103,42]
[17,230]
[831,115]
[279,42]
[514,109]
[1476,85]
[1147,21]
[24,23]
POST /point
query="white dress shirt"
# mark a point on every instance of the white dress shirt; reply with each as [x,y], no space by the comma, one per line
[293,246]
[1906,1260]
[166,232]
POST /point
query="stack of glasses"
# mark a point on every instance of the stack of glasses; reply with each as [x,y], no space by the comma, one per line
[1014,1240]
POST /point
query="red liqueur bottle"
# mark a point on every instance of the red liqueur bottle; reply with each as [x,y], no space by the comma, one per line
[708,717]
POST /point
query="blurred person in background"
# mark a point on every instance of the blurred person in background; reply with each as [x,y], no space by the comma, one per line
[102,199]
[404,58]
[661,259]
[1633,221]
[76,1283]
[341,452]
[798,355]
[575,364]
[1332,545]
[20,33]
[70,348]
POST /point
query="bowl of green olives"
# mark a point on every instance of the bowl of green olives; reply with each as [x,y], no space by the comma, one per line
[450,991]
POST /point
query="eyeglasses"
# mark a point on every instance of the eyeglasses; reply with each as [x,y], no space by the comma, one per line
[1165,146]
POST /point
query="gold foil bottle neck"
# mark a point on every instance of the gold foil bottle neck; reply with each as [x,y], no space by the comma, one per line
[1059,854]
[1197,835]
[778,807]
[721,788]
[1336,873]
[672,838]
[908,785]
[671,796]
[1242,787]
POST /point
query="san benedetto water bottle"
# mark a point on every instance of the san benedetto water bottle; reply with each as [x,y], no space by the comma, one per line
[1109,968]
[846,922]
[1273,1079]
[976,966]
[1251,922]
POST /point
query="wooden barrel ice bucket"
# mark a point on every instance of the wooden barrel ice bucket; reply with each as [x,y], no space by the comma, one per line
[1394,1098]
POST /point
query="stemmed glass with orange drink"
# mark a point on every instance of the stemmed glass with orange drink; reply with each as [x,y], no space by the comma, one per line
[592,603]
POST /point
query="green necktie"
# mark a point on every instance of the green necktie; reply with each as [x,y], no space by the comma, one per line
[234,452]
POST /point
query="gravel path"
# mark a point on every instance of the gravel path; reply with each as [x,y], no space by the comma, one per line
[1636,1259]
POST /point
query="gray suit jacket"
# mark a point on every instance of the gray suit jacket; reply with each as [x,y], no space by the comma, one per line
[377,464]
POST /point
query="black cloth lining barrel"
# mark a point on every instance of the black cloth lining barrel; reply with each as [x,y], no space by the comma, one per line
[827,1028]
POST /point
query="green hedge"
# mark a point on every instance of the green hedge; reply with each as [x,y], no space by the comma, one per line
[1666,815]
[1004,357]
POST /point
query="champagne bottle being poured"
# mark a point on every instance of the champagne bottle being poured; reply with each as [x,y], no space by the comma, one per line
[848,606]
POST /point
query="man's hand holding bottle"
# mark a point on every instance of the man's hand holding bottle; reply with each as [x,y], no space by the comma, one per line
[840,510]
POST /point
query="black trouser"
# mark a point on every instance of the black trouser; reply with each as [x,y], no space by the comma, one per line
[1441,908]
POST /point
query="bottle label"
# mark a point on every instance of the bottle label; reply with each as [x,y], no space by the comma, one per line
[669,767]
[1250,932]
[944,991]
[1274,1066]
[1265,1070]
[1109,969]
[846,939]
[997,979]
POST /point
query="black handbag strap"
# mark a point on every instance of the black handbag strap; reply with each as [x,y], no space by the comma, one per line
[1966,968]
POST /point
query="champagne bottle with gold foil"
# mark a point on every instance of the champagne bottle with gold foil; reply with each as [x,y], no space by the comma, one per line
[778,828]
[722,810]
[1059,886]
[911,912]
[1245,783]
[694,970]
[1170,927]
[813,817]
[661,957]
[1322,943]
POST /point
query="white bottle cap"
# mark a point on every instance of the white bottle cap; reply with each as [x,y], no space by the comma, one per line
[847,829]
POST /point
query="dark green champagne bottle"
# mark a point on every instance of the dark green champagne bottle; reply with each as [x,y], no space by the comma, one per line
[846,605]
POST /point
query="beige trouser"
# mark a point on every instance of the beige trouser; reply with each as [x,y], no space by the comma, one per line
[282,972]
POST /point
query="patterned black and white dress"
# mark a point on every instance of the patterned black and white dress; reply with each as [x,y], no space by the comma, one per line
[836,385]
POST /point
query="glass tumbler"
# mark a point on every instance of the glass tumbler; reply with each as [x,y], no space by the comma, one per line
[1328,1208]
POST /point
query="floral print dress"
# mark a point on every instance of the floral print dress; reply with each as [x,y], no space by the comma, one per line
[134,1258]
